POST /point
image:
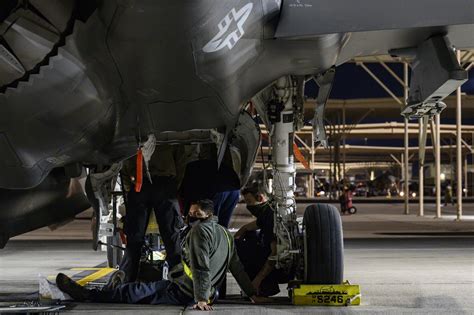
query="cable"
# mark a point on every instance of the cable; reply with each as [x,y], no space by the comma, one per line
[263,157]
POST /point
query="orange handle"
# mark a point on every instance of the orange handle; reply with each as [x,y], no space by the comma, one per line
[139,177]
[300,157]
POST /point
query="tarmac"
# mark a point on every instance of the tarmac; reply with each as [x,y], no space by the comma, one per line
[405,264]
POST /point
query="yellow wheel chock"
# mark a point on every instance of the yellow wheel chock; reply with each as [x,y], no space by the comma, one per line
[326,294]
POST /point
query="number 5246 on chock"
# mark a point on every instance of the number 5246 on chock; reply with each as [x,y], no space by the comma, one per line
[326,294]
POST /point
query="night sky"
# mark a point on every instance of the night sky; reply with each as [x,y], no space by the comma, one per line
[352,82]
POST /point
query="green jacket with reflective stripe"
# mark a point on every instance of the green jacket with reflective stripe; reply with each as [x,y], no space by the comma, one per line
[208,256]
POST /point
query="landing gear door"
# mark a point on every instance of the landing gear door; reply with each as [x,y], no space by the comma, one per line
[243,146]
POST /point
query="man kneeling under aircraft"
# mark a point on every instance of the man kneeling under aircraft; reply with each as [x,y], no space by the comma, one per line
[257,248]
[208,253]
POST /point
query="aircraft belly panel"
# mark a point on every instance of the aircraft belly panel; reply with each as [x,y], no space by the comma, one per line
[226,47]
[56,199]
[8,153]
[200,113]
[48,120]
[29,33]
[148,44]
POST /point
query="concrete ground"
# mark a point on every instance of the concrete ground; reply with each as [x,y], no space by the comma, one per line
[404,264]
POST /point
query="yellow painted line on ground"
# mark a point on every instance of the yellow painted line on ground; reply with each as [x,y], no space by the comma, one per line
[96,275]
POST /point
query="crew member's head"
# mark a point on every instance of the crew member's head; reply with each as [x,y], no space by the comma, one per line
[255,197]
[200,210]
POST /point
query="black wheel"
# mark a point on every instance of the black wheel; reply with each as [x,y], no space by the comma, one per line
[323,245]
[114,254]
[352,210]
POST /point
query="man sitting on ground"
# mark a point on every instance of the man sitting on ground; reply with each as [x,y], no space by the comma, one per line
[209,252]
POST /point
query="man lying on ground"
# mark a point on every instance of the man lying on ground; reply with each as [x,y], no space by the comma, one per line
[209,252]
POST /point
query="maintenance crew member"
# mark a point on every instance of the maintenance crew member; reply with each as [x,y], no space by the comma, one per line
[209,252]
[203,179]
[160,195]
[448,195]
[256,249]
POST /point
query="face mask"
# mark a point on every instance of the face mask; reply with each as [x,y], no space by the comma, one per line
[256,210]
[192,221]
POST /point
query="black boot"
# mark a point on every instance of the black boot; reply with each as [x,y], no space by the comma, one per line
[269,287]
[115,280]
[67,285]
[131,261]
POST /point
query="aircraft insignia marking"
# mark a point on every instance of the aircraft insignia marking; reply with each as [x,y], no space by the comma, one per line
[227,36]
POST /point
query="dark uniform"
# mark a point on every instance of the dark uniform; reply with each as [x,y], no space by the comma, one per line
[254,249]
[204,180]
[209,252]
[161,196]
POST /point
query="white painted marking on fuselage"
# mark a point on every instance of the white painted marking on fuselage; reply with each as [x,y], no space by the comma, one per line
[299,4]
[223,37]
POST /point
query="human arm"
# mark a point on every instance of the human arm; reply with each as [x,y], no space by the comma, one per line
[199,251]
[267,267]
[252,226]
[243,280]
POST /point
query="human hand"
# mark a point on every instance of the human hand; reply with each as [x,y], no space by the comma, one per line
[240,232]
[202,306]
[260,299]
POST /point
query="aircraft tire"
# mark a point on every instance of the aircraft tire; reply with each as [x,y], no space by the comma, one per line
[323,245]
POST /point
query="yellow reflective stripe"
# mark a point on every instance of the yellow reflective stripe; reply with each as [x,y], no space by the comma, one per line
[187,270]
[96,275]
[228,238]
